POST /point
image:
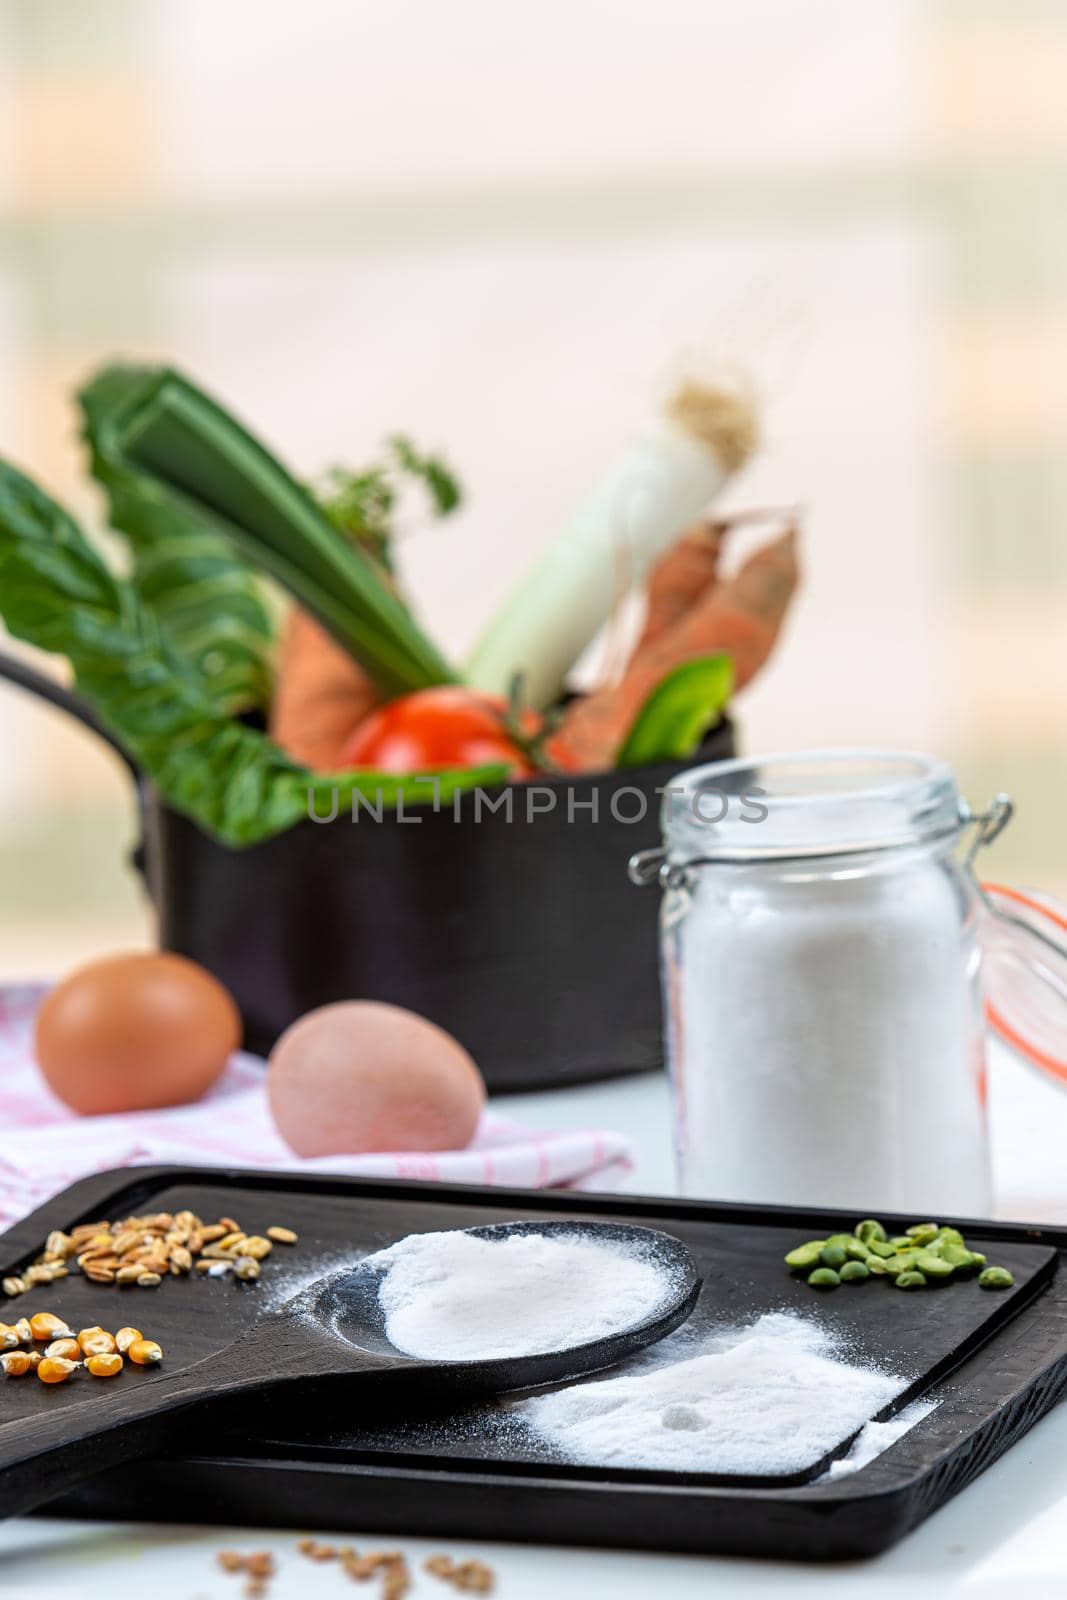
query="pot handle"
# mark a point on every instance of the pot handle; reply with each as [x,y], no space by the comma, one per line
[26,677]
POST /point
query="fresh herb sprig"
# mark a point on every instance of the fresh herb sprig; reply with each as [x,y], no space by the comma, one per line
[362,505]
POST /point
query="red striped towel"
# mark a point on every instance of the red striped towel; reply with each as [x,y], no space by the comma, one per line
[44,1147]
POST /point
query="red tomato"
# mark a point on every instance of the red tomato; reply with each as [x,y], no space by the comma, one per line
[434,729]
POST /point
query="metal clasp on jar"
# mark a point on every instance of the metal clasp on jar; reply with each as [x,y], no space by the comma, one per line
[653,866]
[988,824]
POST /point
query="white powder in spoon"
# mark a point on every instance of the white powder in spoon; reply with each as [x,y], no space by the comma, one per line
[455,1297]
[772,1398]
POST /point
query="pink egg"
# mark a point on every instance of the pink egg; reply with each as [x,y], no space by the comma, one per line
[359,1075]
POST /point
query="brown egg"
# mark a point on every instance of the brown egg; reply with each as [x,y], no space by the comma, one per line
[135,1032]
[359,1076]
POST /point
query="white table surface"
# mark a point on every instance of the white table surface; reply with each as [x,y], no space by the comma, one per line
[1005,1535]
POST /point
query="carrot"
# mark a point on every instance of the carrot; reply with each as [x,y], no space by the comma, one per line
[740,618]
[686,571]
[680,576]
[321,694]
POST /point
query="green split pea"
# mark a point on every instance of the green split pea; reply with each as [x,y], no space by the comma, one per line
[924,1255]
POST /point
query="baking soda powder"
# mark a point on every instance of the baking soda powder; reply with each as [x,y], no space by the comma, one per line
[773,1398]
[821,974]
[456,1297]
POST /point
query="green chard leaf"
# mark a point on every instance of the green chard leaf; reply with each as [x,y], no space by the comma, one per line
[205,595]
[178,437]
[57,593]
[679,712]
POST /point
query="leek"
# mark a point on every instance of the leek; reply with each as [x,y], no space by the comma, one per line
[651,495]
[175,435]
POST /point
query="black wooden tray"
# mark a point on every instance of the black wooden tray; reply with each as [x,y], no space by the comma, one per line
[994,1364]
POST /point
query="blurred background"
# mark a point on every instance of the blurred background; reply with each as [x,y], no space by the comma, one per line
[507,231]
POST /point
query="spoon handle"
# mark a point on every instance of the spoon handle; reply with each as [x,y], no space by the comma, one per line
[52,1451]
[108,1424]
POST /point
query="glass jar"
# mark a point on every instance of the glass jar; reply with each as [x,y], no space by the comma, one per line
[821,971]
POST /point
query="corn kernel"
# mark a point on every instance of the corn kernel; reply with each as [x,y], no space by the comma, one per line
[9,1338]
[145,1353]
[95,1341]
[105,1365]
[257,1247]
[98,1344]
[281,1235]
[13,1286]
[24,1331]
[16,1363]
[127,1336]
[69,1349]
[45,1327]
[54,1369]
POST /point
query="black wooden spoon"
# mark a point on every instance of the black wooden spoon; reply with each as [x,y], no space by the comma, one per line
[332,1339]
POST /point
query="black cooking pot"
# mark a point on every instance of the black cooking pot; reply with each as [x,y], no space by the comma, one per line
[518,930]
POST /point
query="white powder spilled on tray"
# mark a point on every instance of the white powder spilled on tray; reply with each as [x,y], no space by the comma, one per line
[773,1398]
[456,1297]
[876,1437]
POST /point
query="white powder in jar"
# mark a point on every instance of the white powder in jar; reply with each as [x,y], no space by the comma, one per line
[826,1046]
[770,1399]
[456,1297]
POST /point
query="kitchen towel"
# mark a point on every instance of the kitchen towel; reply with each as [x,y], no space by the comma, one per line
[44,1147]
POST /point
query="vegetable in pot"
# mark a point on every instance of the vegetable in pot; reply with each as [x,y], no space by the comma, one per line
[58,594]
[206,597]
[437,728]
[362,505]
[320,693]
[740,618]
[678,713]
[666,480]
[181,440]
